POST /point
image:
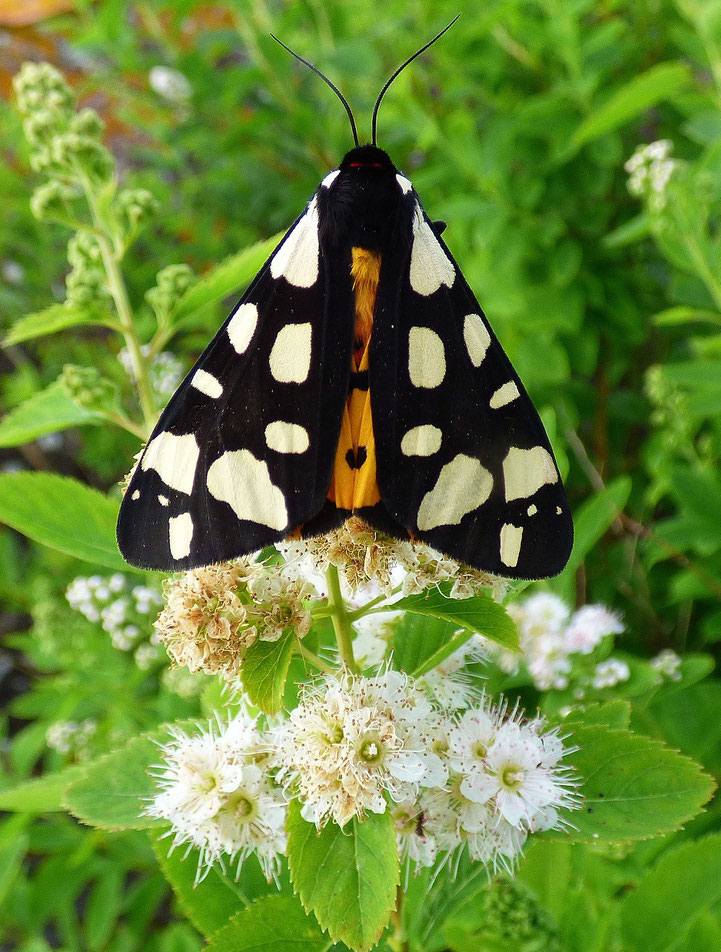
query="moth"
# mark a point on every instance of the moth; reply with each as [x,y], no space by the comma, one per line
[357,375]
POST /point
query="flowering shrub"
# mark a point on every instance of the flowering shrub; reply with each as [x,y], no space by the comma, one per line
[353,740]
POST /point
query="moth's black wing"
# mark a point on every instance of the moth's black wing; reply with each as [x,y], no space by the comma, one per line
[243,453]
[463,459]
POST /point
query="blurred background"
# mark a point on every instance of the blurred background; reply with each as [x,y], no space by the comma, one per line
[573,147]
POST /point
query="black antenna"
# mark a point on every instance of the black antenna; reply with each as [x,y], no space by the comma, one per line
[325,79]
[400,70]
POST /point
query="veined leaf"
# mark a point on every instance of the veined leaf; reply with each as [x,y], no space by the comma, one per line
[57,317]
[48,411]
[476,614]
[347,877]
[264,670]
[64,514]
[271,924]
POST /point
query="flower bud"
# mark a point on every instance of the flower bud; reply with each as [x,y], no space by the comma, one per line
[172,283]
[52,201]
[88,389]
[40,85]
[81,152]
[87,123]
[136,207]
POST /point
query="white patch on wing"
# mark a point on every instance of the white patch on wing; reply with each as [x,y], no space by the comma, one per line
[558,510]
[244,482]
[286,437]
[477,338]
[241,327]
[207,384]
[330,178]
[426,358]
[462,486]
[163,500]
[180,529]
[510,544]
[290,355]
[136,495]
[525,471]
[532,509]
[297,258]
[404,183]
[504,395]
[430,266]
[174,459]
[421,440]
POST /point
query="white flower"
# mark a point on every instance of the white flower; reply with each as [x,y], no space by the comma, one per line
[416,843]
[609,673]
[650,170]
[451,685]
[373,633]
[668,664]
[218,800]
[469,741]
[352,741]
[169,83]
[589,626]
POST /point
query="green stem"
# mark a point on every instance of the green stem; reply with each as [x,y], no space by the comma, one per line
[116,286]
[370,606]
[704,271]
[341,621]
[119,419]
[312,658]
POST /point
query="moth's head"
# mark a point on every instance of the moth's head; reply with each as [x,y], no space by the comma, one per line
[367,158]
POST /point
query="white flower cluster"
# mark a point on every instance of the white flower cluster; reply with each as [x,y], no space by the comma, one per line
[607,674]
[121,608]
[484,779]
[71,737]
[668,664]
[650,169]
[170,83]
[550,636]
[370,563]
[218,797]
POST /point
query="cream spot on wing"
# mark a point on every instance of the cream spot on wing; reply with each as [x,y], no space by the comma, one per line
[180,529]
[525,471]
[241,327]
[532,509]
[430,266]
[510,544]
[462,486]
[244,482]
[297,258]
[558,510]
[286,437]
[330,178]
[504,395]
[404,183]
[477,338]
[426,357]
[421,441]
[136,495]
[163,500]
[207,384]
[174,459]
[290,355]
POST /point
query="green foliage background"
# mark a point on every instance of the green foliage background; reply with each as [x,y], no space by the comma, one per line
[515,129]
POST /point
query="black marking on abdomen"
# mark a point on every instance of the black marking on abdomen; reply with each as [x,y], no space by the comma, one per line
[355,459]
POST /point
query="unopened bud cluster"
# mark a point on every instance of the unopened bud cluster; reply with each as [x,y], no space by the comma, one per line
[89,389]
[171,284]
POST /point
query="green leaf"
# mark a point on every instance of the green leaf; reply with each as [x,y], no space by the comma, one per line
[64,514]
[229,276]
[57,317]
[683,883]
[591,522]
[41,794]
[111,792]
[264,670]
[48,411]
[13,846]
[271,924]
[633,787]
[208,904]
[616,713]
[417,638]
[348,877]
[628,233]
[477,614]
[663,81]
[683,314]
